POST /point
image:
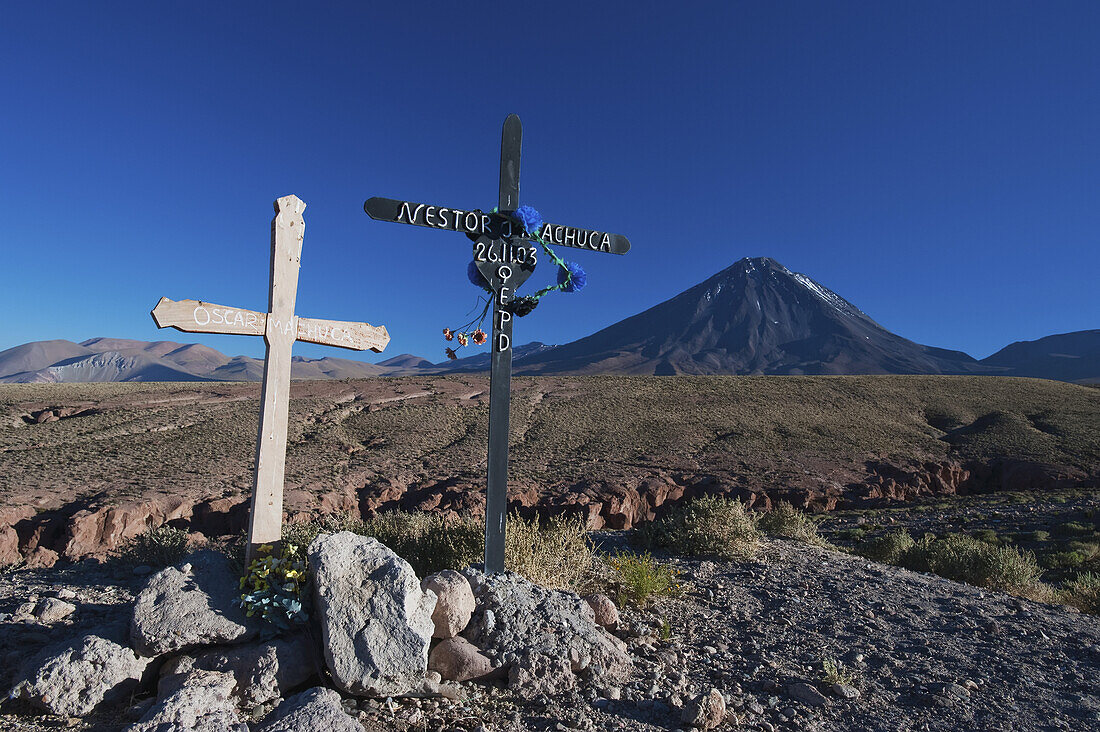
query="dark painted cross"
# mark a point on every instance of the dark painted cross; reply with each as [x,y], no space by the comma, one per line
[505,257]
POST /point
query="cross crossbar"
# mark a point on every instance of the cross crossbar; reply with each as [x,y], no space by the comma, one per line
[505,267]
[280,327]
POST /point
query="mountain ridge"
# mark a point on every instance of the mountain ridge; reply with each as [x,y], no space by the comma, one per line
[755,317]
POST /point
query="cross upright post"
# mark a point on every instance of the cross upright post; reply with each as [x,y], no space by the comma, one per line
[505,257]
[280,328]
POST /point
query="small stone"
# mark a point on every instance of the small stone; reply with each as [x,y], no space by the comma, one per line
[952,691]
[808,695]
[316,710]
[457,659]
[52,610]
[66,594]
[706,711]
[606,614]
[845,691]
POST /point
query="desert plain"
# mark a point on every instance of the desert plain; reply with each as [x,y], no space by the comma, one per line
[86,468]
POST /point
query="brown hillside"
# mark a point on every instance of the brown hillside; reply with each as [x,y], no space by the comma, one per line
[84,465]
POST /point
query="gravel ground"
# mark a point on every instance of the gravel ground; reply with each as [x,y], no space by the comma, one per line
[922,653]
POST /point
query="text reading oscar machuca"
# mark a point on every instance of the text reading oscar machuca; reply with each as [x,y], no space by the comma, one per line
[246,320]
[476,222]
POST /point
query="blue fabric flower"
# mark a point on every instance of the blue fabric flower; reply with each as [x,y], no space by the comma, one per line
[529,217]
[476,278]
[576,276]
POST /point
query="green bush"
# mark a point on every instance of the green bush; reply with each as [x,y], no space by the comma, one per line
[834,672]
[1083,591]
[787,522]
[159,547]
[1074,528]
[888,548]
[714,526]
[641,578]
[989,536]
[966,559]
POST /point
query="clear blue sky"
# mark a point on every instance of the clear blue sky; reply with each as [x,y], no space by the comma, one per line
[937,164]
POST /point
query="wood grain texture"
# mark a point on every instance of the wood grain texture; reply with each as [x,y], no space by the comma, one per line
[356,336]
[198,316]
[287,232]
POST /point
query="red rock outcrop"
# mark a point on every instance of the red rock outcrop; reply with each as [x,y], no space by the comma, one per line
[85,530]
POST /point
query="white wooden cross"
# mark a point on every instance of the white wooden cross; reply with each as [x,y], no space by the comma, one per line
[280,328]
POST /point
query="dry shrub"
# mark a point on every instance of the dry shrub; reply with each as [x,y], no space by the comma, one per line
[715,526]
[159,547]
[787,522]
[556,553]
[430,542]
[1083,591]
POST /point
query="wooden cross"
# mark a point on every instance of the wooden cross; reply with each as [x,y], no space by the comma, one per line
[280,328]
[506,259]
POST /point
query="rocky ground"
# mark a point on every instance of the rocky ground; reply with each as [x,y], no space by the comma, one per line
[913,652]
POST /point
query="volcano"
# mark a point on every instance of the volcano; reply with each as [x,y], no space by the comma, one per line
[755,317]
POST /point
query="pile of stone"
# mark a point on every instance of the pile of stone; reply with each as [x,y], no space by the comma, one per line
[375,631]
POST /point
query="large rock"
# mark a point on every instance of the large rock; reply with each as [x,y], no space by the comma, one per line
[457,659]
[200,702]
[454,602]
[9,537]
[72,681]
[191,605]
[375,620]
[518,622]
[316,710]
[263,671]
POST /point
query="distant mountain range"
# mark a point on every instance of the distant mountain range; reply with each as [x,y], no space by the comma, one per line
[755,317]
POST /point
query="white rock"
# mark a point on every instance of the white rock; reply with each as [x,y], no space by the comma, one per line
[191,605]
[200,703]
[72,681]
[263,671]
[51,610]
[375,620]
[316,710]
